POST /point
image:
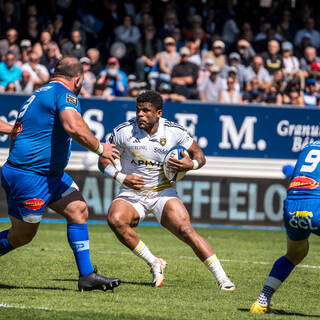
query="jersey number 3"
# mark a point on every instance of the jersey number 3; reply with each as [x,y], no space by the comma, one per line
[311,161]
[25,107]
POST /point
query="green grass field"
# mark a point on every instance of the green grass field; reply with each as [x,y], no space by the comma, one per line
[39,281]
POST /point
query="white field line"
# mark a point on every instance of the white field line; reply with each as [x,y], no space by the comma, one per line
[4,305]
[305,266]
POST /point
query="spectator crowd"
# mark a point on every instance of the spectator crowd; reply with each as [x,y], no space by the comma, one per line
[231,52]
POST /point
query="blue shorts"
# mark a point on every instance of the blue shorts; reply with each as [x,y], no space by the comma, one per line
[29,193]
[301,218]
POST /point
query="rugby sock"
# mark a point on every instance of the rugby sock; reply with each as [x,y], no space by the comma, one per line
[214,266]
[279,273]
[5,245]
[78,238]
[142,251]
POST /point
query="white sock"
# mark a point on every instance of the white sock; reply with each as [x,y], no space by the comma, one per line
[142,251]
[215,267]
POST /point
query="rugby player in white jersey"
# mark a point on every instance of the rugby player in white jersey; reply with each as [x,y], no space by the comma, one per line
[143,143]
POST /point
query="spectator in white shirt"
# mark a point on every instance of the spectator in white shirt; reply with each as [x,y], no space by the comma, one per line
[24,85]
[38,72]
[290,62]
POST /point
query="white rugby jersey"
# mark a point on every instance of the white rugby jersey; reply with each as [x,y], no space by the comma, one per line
[143,155]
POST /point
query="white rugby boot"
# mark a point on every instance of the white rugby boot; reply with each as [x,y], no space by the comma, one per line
[157,271]
[226,285]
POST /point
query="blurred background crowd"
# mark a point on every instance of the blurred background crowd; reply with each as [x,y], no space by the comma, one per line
[226,51]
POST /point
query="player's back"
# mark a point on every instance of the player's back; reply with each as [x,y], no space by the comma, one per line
[39,142]
[305,181]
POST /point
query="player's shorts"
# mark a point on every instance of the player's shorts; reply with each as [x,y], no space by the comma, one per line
[301,218]
[148,203]
[29,193]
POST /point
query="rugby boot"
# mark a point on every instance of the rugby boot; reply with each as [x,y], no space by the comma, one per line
[259,308]
[157,271]
[226,285]
[94,281]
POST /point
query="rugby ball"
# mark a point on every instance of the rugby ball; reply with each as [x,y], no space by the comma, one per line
[172,175]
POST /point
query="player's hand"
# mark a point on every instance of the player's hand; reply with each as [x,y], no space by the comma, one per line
[134,181]
[110,153]
[184,164]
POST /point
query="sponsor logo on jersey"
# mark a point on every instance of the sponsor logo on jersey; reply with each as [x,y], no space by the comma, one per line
[163,141]
[160,150]
[33,204]
[136,140]
[72,99]
[16,129]
[148,163]
[303,182]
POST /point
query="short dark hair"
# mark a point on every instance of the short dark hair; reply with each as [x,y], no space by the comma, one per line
[152,97]
[68,67]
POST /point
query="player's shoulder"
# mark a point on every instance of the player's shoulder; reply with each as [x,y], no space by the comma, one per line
[173,125]
[124,126]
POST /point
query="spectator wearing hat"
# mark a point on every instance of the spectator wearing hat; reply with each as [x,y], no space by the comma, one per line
[232,71]
[24,85]
[165,61]
[291,63]
[133,90]
[10,44]
[114,77]
[146,50]
[89,79]
[74,47]
[184,76]
[238,68]
[309,28]
[315,73]
[204,71]
[216,54]
[38,72]
[209,89]
[257,70]
[310,56]
[94,55]
[310,95]
[9,71]
[272,58]
[230,95]
[245,51]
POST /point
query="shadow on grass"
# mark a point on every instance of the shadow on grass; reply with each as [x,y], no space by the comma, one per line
[5,286]
[285,313]
[147,284]
[67,280]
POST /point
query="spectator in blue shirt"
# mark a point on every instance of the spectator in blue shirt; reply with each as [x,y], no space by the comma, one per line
[120,79]
[9,72]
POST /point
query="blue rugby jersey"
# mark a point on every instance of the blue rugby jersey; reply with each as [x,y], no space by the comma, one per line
[39,142]
[305,181]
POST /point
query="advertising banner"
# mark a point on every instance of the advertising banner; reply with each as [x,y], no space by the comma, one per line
[212,200]
[253,131]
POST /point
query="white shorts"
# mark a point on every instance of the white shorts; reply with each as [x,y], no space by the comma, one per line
[148,203]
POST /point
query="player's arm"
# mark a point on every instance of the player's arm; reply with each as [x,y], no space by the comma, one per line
[132,181]
[75,126]
[5,127]
[196,160]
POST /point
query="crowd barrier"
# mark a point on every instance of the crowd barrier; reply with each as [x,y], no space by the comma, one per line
[234,134]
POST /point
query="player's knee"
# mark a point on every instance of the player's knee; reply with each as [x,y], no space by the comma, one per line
[81,214]
[115,220]
[186,232]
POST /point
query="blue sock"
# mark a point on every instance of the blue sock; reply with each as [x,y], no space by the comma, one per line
[281,269]
[78,238]
[5,245]
[279,273]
